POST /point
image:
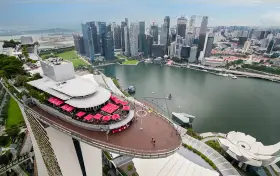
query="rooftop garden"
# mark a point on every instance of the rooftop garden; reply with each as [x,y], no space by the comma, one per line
[67,55]
[14,114]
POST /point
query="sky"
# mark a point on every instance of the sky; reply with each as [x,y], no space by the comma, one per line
[71,13]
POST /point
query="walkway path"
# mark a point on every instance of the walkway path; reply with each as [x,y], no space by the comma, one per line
[209,139]
[222,164]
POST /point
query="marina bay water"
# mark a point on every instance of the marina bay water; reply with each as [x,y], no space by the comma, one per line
[220,104]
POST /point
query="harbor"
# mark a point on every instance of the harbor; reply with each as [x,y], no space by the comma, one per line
[220,104]
[223,71]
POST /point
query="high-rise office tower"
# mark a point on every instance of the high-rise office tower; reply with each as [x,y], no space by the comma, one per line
[209,45]
[88,40]
[95,38]
[123,24]
[193,53]
[172,49]
[158,50]
[167,24]
[185,52]
[109,46]
[246,46]
[85,39]
[109,28]
[128,36]
[163,35]
[270,46]
[264,42]
[192,24]
[154,32]
[173,34]
[102,31]
[189,39]
[202,34]
[150,41]
[126,41]
[133,40]
[79,43]
[141,36]
[117,36]
[262,35]
[181,26]
[242,40]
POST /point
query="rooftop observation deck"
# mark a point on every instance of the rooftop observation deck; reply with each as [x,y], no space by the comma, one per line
[135,141]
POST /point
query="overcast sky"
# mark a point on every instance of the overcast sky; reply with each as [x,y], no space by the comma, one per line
[70,13]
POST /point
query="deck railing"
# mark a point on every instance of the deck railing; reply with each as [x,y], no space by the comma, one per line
[104,145]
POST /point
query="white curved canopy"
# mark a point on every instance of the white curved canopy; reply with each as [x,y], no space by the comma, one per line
[99,97]
[246,149]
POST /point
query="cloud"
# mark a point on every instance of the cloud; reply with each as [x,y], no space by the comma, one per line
[54,1]
[231,2]
[270,19]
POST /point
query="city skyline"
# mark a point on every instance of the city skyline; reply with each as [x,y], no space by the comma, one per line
[43,13]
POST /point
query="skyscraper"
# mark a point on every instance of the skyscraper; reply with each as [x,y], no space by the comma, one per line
[202,34]
[128,36]
[102,31]
[189,39]
[163,35]
[95,39]
[154,32]
[88,40]
[117,37]
[133,40]
[246,46]
[204,23]
[270,46]
[192,24]
[193,54]
[141,36]
[209,45]
[242,40]
[79,43]
[167,24]
[173,34]
[181,26]
[123,24]
[172,49]
[148,45]
[109,46]
[85,39]
[126,41]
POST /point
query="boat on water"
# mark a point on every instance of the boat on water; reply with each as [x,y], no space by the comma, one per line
[148,61]
[223,74]
[205,70]
[169,97]
[183,119]
[234,77]
[131,89]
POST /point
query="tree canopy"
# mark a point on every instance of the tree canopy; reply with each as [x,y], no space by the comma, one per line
[11,43]
[10,66]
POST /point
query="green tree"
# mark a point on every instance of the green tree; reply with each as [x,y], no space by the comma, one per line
[20,80]
[4,140]
[10,66]
[11,43]
[25,52]
[12,131]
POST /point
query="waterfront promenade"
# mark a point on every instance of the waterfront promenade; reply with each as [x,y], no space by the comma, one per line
[235,72]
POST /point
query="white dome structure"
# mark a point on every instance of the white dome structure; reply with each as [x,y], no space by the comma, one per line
[246,149]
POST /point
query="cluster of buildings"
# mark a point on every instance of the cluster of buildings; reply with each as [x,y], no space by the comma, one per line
[252,41]
[183,41]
